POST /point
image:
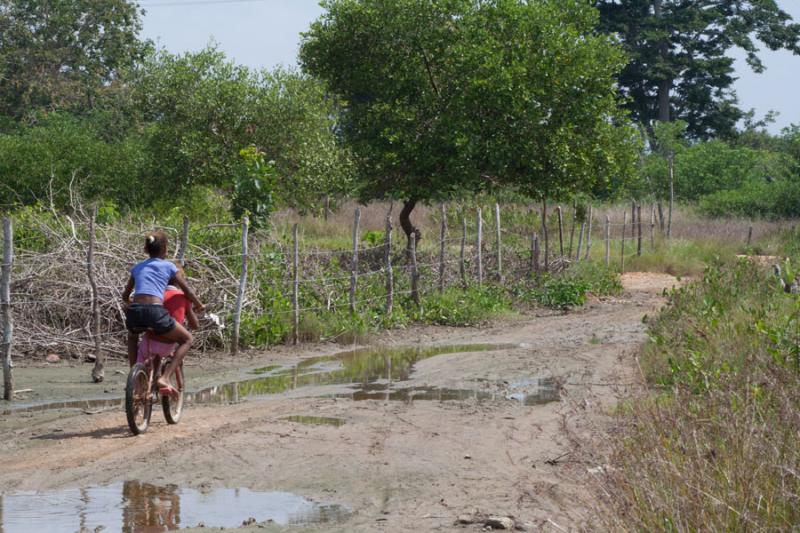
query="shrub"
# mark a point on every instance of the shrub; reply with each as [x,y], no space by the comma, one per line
[570,289]
[456,307]
[778,199]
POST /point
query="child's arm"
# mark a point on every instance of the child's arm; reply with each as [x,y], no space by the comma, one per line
[126,293]
[177,280]
[192,318]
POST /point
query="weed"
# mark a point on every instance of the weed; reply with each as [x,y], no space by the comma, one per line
[716,449]
[455,307]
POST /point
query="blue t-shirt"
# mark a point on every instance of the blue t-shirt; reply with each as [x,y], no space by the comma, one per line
[152,276]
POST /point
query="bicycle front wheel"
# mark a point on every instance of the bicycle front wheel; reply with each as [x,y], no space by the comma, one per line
[138,399]
[173,403]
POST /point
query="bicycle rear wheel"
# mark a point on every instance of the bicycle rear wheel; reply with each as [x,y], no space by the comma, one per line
[138,399]
[173,404]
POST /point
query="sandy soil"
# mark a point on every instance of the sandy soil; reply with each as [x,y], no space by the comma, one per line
[399,466]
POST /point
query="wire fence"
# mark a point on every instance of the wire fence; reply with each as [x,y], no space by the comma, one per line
[59,268]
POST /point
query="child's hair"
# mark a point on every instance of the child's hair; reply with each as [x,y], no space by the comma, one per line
[155,243]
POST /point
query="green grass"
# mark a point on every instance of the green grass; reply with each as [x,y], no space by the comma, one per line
[456,307]
[714,446]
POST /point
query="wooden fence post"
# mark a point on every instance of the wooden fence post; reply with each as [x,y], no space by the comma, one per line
[580,242]
[414,271]
[499,242]
[589,234]
[5,308]
[671,162]
[462,266]
[608,241]
[653,227]
[237,312]
[749,235]
[295,289]
[560,231]
[480,248]
[389,271]
[98,374]
[354,264]
[532,267]
[639,227]
[622,253]
[633,219]
[546,239]
[184,242]
[443,235]
[327,208]
[572,229]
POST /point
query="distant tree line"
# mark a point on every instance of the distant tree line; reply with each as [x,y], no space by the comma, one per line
[412,100]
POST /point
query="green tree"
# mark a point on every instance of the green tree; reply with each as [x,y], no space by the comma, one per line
[203,110]
[679,64]
[456,97]
[64,54]
[62,157]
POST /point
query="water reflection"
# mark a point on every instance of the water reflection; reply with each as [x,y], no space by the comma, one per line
[361,367]
[315,420]
[540,391]
[365,370]
[135,507]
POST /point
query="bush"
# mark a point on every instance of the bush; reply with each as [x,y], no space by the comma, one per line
[778,199]
[571,288]
[456,307]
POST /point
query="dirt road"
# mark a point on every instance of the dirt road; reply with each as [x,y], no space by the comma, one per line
[393,465]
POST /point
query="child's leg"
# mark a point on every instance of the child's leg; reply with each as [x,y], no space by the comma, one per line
[181,336]
[133,347]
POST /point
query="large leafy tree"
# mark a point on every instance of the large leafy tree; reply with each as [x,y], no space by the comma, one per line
[202,111]
[680,66]
[461,96]
[62,54]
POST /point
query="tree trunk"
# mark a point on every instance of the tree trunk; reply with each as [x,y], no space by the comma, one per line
[408,227]
[665,85]
[664,88]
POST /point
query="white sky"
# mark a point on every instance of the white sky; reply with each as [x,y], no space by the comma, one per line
[265,33]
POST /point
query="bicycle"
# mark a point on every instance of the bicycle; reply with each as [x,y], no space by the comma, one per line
[141,392]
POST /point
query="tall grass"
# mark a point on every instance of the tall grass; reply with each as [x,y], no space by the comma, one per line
[714,446]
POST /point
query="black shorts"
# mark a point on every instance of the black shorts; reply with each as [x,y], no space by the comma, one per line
[148,317]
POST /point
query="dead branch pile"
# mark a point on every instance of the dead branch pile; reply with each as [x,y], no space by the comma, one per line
[51,296]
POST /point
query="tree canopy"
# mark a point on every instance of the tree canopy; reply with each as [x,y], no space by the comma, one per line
[62,54]
[460,96]
[203,110]
[680,67]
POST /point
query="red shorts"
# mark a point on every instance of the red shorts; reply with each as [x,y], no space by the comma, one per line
[148,347]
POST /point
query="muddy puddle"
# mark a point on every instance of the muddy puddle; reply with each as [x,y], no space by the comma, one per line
[311,420]
[133,507]
[368,373]
[537,392]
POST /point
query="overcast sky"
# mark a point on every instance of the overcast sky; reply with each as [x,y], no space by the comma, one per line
[265,33]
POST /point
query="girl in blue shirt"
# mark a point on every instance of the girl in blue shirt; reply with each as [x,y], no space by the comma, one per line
[147,312]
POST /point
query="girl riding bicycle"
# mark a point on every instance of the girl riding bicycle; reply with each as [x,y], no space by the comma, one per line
[180,309]
[147,313]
